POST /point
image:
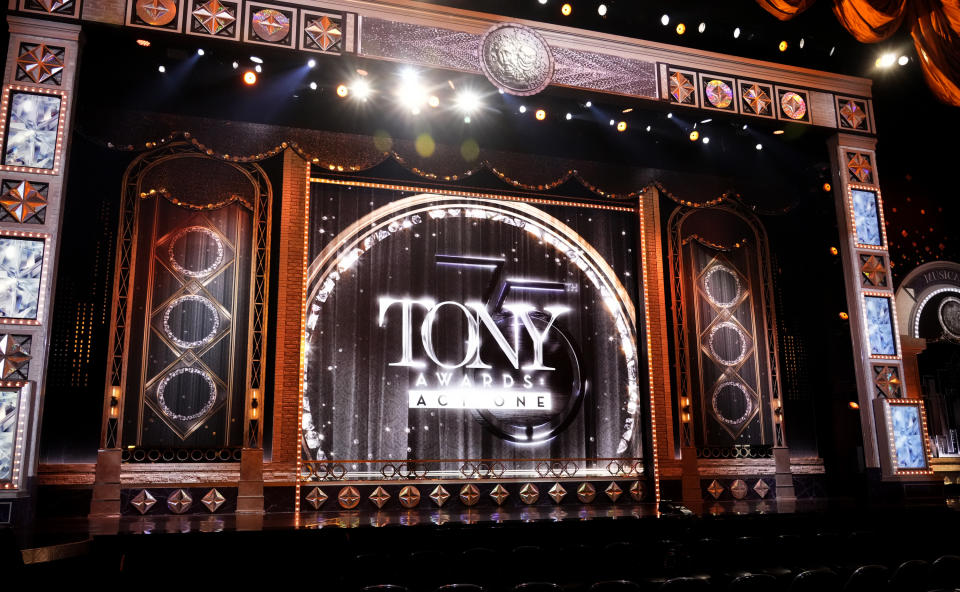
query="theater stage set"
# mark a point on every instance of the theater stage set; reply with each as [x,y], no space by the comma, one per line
[358,264]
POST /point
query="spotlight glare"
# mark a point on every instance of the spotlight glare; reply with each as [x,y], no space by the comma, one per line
[361,89]
[540,114]
[415,111]
[409,74]
[200,51]
[706,140]
[665,20]
[801,42]
[903,61]
[256,60]
[236,65]
[162,69]
[648,128]
[523,109]
[681,28]
[886,60]
[702,27]
[566,9]
[311,63]
[612,122]
[694,136]
[143,43]
[467,101]
[313,86]
[759,146]
[410,94]
[342,90]
[602,10]
[542,1]
[588,104]
[258,68]
[783,46]
[736,33]
[466,119]
[622,126]
[569,116]
[249,78]
[434,101]
[669,115]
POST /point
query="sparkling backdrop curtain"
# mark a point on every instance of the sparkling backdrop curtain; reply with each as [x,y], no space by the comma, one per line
[934,25]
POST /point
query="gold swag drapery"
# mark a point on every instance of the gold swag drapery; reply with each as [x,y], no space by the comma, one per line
[934,26]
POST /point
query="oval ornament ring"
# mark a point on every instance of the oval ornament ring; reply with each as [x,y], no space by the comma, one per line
[516,59]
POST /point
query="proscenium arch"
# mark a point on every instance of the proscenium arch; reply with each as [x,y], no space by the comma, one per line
[339,256]
[910,304]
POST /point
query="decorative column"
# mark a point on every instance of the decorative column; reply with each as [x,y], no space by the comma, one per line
[877,350]
[36,111]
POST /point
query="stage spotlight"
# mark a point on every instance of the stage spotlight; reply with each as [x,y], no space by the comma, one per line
[566,9]
[903,61]
[342,90]
[467,101]
[466,119]
[311,63]
[258,68]
[777,132]
[143,43]
[707,120]
[569,116]
[162,69]
[313,86]
[361,89]
[681,28]
[669,115]
[744,126]
[602,10]
[410,94]
[612,122]
[783,46]
[834,251]
[256,60]
[833,49]
[540,115]
[854,405]
[702,27]
[236,65]
[523,109]
[759,146]
[694,136]
[886,60]
[200,52]
[844,316]
[648,128]
[665,20]
[827,187]
[801,43]
[542,1]
[434,101]
[249,78]
[588,104]
[736,33]
[706,140]
[622,126]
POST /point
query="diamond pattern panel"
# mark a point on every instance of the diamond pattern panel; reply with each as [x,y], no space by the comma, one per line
[40,63]
[23,201]
[322,33]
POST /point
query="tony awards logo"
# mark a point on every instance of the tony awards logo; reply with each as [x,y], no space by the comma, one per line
[504,357]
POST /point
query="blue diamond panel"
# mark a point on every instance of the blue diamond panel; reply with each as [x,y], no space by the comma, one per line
[880,326]
[20,266]
[865,217]
[8,429]
[908,437]
[32,130]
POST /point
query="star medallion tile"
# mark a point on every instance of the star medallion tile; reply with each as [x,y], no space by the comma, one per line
[156,12]
[793,105]
[761,488]
[316,497]
[214,16]
[213,500]
[409,496]
[22,200]
[348,497]
[529,493]
[586,492]
[12,357]
[887,380]
[859,167]
[757,99]
[499,493]
[681,89]
[379,496]
[324,32]
[439,495]
[613,491]
[715,489]
[637,491]
[270,24]
[469,494]
[179,501]
[41,63]
[873,270]
[853,114]
[557,492]
[739,489]
[143,501]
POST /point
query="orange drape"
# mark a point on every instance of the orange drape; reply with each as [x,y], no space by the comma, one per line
[934,25]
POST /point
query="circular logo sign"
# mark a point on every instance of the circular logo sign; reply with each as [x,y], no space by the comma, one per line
[516,59]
